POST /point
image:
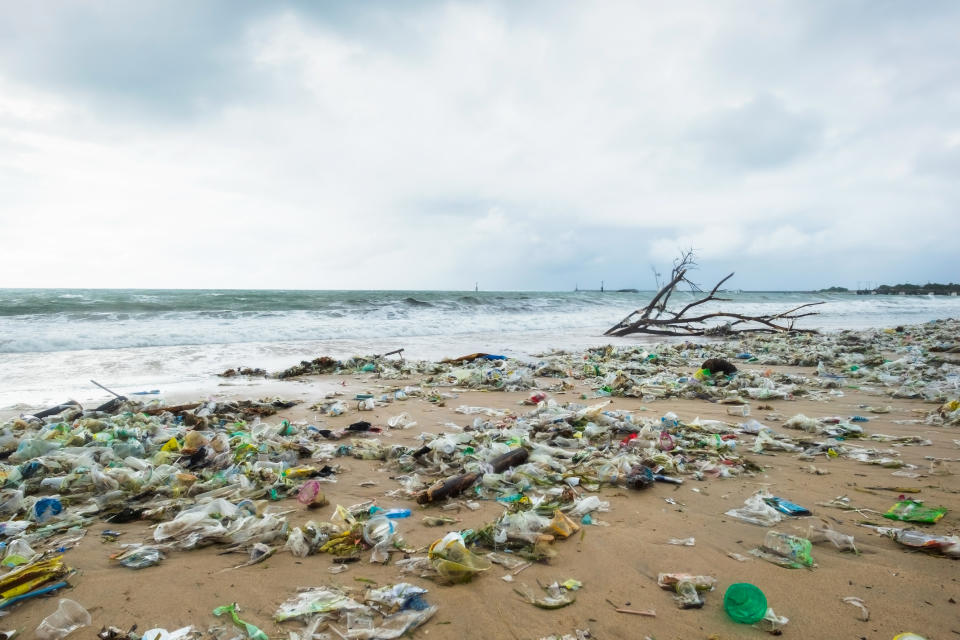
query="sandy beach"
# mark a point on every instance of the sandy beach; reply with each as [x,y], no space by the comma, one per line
[479,320]
[617,560]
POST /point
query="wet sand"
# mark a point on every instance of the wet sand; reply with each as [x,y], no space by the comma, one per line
[617,564]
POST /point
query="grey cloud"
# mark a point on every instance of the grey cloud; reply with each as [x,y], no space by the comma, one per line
[761,134]
[174,58]
[123,55]
[531,145]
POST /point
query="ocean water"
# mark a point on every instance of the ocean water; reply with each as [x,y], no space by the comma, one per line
[53,341]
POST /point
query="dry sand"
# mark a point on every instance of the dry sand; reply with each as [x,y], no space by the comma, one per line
[905,591]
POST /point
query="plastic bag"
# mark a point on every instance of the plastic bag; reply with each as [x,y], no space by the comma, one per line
[140,556]
[766,441]
[913,511]
[802,423]
[163,634]
[756,511]
[253,631]
[587,505]
[379,532]
[31,448]
[562,526]
[393,598]
[522,525]
[402,421]
[48,508]
[189,529]
[18,553]
[395,626]
[823,531]
[251,529]
[297,543]
[317,600]
[452,560]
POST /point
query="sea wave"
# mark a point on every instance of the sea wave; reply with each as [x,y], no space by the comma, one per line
[67,320]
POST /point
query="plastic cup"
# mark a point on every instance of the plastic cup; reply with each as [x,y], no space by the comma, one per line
[744,603]
[68,617]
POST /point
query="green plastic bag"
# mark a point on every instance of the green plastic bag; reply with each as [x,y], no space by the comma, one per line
[253,631]
[912,511]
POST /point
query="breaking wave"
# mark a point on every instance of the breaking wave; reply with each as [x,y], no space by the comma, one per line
[48,320]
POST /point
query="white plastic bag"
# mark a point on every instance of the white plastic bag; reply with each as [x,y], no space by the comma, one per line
[756,511]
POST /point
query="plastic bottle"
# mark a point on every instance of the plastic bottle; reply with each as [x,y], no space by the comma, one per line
[947,545]
[792,547]
[659,477]
[744,603]
[390,513]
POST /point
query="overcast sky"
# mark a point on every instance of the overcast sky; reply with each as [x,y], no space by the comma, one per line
[521,145]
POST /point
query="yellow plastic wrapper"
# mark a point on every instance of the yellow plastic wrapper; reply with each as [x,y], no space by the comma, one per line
[171,445]
[452,560]
[949,407]
[30,576]
[562,525]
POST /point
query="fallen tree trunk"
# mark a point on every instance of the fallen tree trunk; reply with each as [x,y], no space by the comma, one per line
[656,319]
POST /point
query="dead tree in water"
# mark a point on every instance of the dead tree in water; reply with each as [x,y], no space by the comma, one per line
[656,319]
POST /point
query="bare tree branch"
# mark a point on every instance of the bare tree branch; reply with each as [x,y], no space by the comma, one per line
[656,319]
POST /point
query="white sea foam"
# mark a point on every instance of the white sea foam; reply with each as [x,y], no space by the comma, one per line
[53,342]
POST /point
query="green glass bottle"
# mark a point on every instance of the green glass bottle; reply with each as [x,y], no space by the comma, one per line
[744,603]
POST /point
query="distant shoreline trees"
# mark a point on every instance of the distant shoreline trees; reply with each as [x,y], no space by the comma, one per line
[934,288]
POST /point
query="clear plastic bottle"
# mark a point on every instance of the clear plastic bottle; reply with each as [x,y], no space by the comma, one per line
[793,547]
[947,545]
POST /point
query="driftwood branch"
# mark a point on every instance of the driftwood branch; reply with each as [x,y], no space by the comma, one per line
[656,319]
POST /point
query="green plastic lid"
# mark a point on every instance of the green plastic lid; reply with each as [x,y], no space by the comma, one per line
[745,603]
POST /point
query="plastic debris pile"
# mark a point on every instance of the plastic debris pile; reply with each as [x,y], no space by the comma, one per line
[214,473]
